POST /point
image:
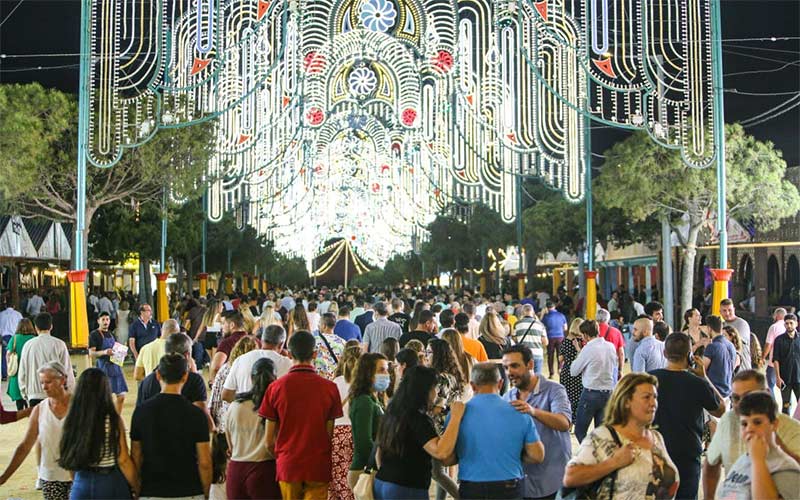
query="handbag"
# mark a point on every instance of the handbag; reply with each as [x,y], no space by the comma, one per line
[12,360]
[592,491]
[366,480]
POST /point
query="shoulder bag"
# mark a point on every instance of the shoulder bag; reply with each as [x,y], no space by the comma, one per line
[12,360]
[363,490]
[592,491]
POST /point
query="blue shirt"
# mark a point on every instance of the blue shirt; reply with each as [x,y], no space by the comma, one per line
[649,355]
[491,440]
[720,371]
[554,322]
[347,330]
[544,479]
[144,334]
[363,320]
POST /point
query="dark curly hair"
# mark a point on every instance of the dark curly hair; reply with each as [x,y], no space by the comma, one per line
[365,375]
[444,360]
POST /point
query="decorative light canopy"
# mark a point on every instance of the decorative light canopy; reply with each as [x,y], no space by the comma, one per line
[361,119]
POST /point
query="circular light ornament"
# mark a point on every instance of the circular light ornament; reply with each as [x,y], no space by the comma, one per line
[408,117]
[378,15]
[362,81]
[314,116]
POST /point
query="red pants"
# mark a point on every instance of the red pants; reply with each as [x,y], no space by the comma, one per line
[252,480]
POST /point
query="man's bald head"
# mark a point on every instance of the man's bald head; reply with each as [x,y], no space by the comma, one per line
[642,327]
[169,327]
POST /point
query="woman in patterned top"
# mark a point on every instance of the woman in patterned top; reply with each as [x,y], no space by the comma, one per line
[217,406]
[625,457]
[568,351]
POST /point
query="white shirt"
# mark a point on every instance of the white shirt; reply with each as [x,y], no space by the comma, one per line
[35,304]
[9,320]
[239,379]
[344,390]
[38,351]
[639,308]
[246,430]
[323,307]
[313,320]
[596,364]
[777,328]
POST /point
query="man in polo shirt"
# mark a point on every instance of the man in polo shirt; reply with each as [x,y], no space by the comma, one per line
[471,346]
[649,355]
[548,405]
[719,357]
[530,332]
[556,325]
[490,456]
[151,354]
[344,328]
[304,406]
[380,329]
[143,331]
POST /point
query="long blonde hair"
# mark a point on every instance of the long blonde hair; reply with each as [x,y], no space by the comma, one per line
[249,319]
[465,361]
[267,317]
[575,328]
[243,346]
[617,413]
[492,329]
[348,363]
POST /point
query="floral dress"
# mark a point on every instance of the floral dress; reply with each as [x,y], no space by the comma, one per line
[574,385]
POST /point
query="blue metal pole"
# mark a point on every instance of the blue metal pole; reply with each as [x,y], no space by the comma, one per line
[719,131]
[83,137]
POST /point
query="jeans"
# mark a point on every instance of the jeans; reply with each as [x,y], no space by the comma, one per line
[553,348]
[384,490]
[109,484]
[537,365]
[689,471]
[491,490]
[591,406]
[786,395]
[771,378]
[199,354]
[6,340]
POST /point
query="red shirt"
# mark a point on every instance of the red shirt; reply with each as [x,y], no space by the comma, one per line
[612,335]
[302,403]
[226,345]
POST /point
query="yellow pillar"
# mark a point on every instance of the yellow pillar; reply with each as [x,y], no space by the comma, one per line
[245,283]
[521,285]
[162,304]
[256,280]
[457,282]
[556,281]
[203,277]
[483,283]
[228,283]
[720,290]
[78,323]
[591,294]
[264,286]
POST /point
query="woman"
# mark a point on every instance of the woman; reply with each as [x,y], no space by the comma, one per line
[493,335]
[757,361]
[269,316]
[342,443]
[313,316]
[25,332]
[251,468]
[448,390]
[217,406]
[53,305]
[211,326]
[249,319]
[765,472]
[464,360]
[732,334]
[93,444]
[366,408]
[418,347]
[334,308]
[568,351]
[298,320]
[45,426]
[693,328]
[625,455]
[101,347]
[407,439]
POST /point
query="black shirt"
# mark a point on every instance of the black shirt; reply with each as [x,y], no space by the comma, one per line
[494,351]
[682,396]
[168,428]
[194,389]
[786,352]
[401,319]
[420,335]
[96,341]
[413,468]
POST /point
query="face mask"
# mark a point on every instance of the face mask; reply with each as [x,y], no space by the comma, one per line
[381,383]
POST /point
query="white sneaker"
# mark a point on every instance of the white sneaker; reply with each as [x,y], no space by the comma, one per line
[38,483]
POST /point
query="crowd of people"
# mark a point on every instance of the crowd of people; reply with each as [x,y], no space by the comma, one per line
[345,394]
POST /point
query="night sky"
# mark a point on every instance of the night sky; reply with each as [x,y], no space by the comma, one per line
[51,27]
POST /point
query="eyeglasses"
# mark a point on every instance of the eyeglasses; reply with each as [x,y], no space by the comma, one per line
[735,398]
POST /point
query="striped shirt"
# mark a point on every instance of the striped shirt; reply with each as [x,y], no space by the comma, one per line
[378,331]
[533,339]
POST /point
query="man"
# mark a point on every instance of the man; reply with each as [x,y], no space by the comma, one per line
[101,347]
[490,456]
[786,360]
[358,309]
[365,319]
[426,329]
[530,332]
[649,355]
[727,444]
[34,305]
[548,405]
[541,298]
[37,352]
[232,332]
[239,377]
[169,438]
[719,357]
[474,325]
[471,346]
[151,354]
[380,329]
[9,319]
[613,303]
[611,334]
[325,303]
[446,320]
[104,305]
[329,348]
[556,325]
[777,328]
[682,397]
[346,329]
[398,314]
[728,313]
[304,406]
[143,331]
[655,310]
[595,364]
